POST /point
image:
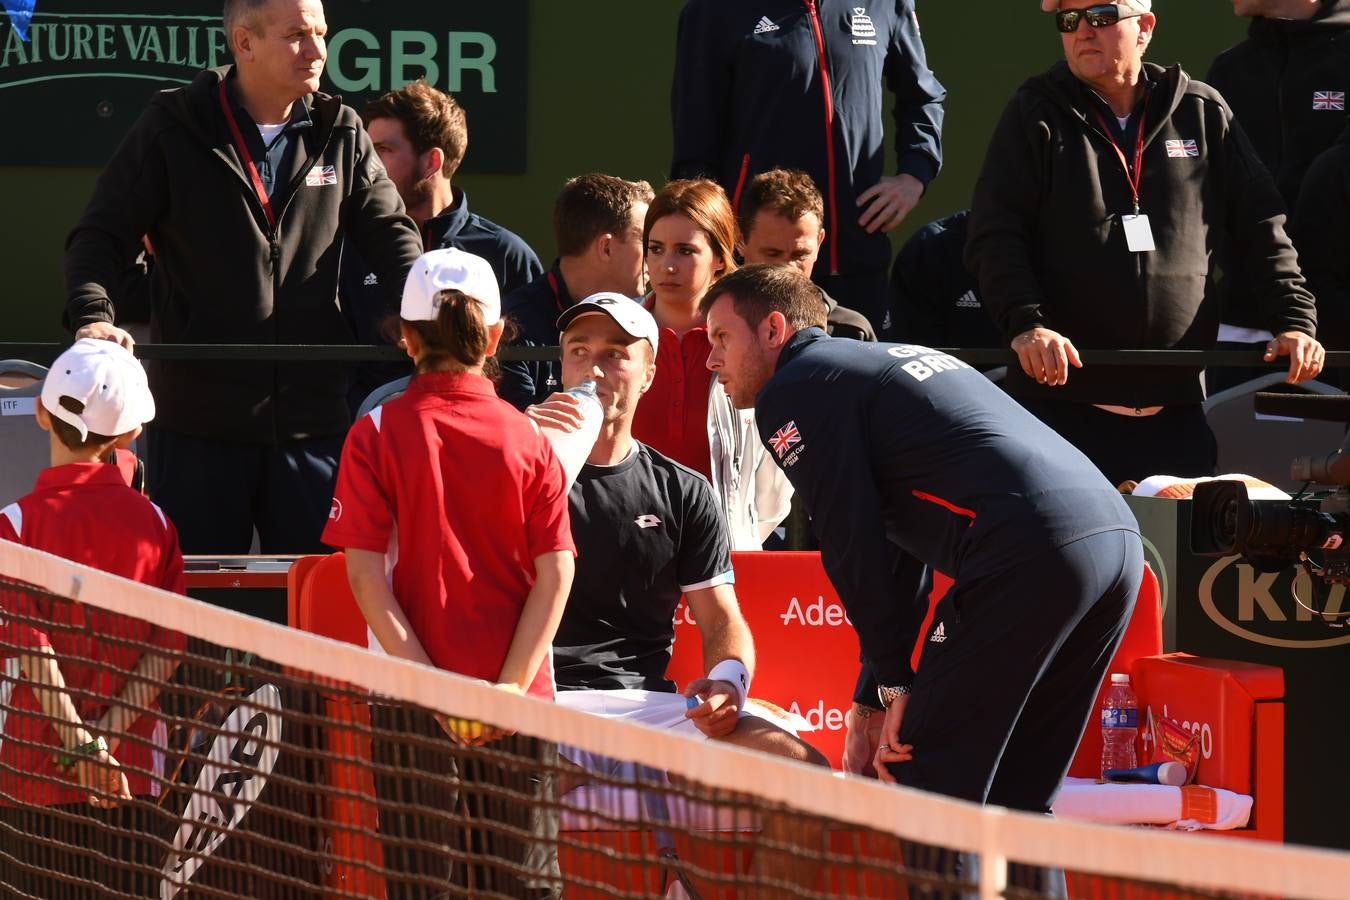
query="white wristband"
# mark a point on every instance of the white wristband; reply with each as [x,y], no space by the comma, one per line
[734,671]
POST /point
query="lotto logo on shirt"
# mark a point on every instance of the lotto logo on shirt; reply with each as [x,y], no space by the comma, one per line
[1329,100]
[321,175]
[1182,149]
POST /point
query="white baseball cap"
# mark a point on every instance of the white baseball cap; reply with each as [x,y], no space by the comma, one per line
[1142,6]
[630,315]
[450,270]
[107,380]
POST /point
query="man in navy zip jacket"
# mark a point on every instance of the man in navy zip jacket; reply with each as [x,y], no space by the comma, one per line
[796,84]
[895,446]
[246,182]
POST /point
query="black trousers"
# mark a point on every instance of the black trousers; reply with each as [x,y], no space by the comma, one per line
[445,811]
[1176,441]
[217,492]
[76,850]
[1010,670]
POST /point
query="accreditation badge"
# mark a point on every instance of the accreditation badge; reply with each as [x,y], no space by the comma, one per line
[1138,233]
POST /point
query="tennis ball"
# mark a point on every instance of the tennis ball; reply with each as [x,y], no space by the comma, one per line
[465,729]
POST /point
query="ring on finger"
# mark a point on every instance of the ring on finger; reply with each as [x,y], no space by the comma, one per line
[885,747]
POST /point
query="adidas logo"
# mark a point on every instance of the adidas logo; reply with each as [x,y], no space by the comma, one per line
[765,26]
[370,280]
[939,634]
[968,300]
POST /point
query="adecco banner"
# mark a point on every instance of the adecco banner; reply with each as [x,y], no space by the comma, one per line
[75,77]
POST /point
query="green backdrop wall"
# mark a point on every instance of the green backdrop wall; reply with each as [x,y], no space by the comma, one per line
[599,101]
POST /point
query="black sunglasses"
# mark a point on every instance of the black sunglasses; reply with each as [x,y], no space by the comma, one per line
[1099,16]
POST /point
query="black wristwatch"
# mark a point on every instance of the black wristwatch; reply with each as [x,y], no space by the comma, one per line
[887,693]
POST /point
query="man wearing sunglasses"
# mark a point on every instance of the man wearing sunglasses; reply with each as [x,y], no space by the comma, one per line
[1107,188]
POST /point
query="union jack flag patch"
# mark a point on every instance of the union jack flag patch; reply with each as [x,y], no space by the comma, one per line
[785,438]
[1182,149]
[321,175]
[1329,100]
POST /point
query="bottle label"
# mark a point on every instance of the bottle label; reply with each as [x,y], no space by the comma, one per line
[1115,717]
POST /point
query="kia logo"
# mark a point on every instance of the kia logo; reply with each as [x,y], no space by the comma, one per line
[1253,605]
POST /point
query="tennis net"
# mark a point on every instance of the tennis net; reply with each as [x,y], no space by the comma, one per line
[264,762]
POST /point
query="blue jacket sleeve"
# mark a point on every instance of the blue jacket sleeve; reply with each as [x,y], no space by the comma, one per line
[832,471]
[918,98]
[699,93]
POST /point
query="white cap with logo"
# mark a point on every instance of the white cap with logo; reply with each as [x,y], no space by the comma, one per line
[630,315]
[107,381]
[450,270]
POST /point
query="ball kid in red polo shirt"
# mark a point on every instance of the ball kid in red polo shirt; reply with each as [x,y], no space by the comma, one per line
[92,739]
[459,497]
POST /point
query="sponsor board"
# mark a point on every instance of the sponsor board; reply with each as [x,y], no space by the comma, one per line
[83,70]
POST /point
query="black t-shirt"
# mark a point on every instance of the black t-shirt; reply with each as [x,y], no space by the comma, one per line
[646,531]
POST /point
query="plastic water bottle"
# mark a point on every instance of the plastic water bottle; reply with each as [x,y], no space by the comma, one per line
[1120,725]
[573,447]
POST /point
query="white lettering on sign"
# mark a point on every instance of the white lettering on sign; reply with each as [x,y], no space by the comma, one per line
[18,406]
[411,55]
[817,614]
[683,616]
[819,717]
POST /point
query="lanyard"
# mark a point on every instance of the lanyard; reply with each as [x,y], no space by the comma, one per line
[247,158]
[1134,175]
[557,294]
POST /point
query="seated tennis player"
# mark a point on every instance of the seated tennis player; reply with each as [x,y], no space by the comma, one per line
[647,530]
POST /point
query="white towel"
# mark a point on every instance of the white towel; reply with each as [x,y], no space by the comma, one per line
[1085,800]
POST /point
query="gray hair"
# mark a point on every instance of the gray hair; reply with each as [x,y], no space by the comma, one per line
[237,14]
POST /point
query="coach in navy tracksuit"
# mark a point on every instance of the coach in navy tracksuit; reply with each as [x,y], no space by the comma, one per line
[796,84]
[895,444]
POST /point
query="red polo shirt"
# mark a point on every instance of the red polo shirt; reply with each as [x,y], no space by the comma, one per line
[84,512]
[672,417]
[462,492]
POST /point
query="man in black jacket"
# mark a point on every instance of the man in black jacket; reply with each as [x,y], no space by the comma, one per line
[245,181]
[899,449]
[1107,186]
[1286,85]
[1320,227]
[787,84]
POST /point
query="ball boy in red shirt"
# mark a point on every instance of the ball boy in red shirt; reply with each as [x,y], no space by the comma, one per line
[83,743]
[452,509]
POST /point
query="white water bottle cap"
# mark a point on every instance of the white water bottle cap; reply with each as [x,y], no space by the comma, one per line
[1119,678]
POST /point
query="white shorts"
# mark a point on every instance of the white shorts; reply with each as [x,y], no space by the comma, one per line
[654,709]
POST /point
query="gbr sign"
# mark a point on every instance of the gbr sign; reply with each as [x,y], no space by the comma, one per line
[81,71]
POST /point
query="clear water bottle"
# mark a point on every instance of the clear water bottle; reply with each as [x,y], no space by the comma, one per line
[1120,725]
[573,447]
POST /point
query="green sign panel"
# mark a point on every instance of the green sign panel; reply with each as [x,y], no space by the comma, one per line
[74,78]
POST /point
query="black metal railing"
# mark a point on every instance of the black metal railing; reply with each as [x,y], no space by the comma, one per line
[46,351]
